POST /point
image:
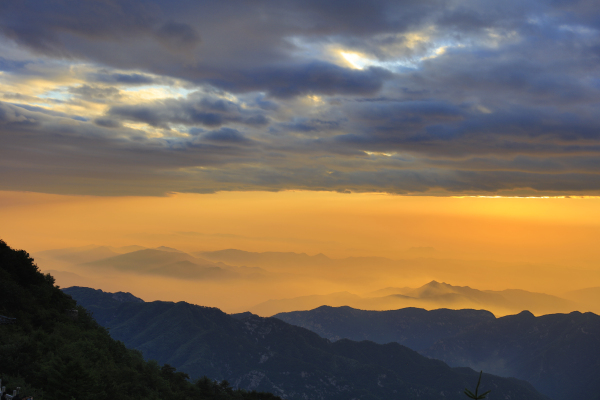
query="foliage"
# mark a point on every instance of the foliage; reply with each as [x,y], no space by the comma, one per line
[476,395]
[51,354]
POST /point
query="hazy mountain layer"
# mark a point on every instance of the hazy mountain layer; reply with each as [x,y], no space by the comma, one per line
[412,327]
[589,296]
[283,282]
[430,296]
[174,264]
[269,354]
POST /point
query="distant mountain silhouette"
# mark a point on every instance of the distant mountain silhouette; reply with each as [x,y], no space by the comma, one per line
[304,269]
[558,353]
[65,259]
[68,279]
[142,260]
[412,327]
[78,255]
[430,296]
[268,354]
[172,263]
[589,297]
[272,307]
[171,249]
[127,249]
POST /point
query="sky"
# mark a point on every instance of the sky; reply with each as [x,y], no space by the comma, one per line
[348,128]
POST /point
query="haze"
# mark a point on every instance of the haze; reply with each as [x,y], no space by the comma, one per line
[536,244]
[452,141]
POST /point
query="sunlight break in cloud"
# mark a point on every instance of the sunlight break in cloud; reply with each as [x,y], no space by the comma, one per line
[484,98]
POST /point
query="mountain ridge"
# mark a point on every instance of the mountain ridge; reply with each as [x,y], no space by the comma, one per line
[432,295]
[259,353]
[558,353]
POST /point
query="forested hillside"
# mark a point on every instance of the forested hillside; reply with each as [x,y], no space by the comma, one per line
[56,350]
[270,355]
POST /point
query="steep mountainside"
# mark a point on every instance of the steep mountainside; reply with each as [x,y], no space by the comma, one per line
[412,327]
[53,349]
[269,354]
[558,353]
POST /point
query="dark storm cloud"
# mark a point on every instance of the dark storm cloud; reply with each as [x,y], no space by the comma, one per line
[107,123]
[88,158]
[66,156]
[119,78]
[225,135]
[40,24]
[308,125]
[456,96]
[115,33]
[443,130]
[178,35]
[313,78]
[42,110]
[190,111]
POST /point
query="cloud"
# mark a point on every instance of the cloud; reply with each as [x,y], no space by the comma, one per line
[442,96]
[312,78]
[225,135]
[178,35]
[64,153]
[95,94]
[120,78]
[193,110]
[107,123]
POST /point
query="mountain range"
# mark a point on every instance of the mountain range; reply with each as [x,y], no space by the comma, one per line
[80,266]
[161,261]
[429,296]
[558,353]
[416,328]
[268,354]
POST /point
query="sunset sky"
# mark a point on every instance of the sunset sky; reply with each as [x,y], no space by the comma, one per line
[451,130]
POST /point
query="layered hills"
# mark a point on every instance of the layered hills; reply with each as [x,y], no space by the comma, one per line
[268,354]
[416,328]
[429,296]
[160,261]
[558,353]
[284,282]
[53,349]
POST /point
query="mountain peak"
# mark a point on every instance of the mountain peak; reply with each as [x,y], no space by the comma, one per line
[525,314]
[165,248]
[126,297]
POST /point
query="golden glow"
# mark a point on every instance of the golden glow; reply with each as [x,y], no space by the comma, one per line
[376,153]
[355,60]
[540,238]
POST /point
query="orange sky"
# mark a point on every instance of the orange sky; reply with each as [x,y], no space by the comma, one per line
[339,225]
[559,231]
